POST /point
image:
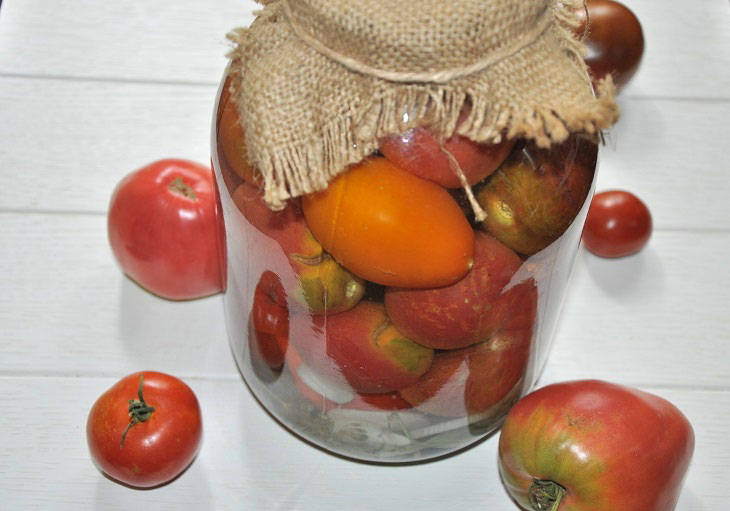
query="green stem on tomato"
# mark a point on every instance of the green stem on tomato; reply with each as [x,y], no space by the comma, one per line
[139,411]
[182,188]
[545,495]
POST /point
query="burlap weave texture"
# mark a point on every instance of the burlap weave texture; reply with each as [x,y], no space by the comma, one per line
[319,82]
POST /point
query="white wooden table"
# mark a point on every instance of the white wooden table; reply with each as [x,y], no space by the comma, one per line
[91,90]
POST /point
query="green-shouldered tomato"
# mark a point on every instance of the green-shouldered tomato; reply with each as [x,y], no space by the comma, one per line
[594,446]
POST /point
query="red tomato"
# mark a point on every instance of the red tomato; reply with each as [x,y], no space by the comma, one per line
[418,151]
[593,445]
[270,321]
[156,446]
[615,40]
[381,401]
[618,224]
[163,229]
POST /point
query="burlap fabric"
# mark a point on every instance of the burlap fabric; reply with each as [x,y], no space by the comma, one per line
[318,82]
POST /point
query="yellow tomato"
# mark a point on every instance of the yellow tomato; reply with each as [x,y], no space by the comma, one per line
[390,227]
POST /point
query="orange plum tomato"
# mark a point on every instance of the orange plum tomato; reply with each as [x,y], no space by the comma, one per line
[145,430]
[614,38]
[390,227]
[594,445]
[618,224]
[163,227]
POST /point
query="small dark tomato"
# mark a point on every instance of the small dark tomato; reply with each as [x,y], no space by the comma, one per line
[615,40]
[618,224]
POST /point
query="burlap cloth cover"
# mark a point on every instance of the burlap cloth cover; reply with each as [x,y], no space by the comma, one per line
[318,82]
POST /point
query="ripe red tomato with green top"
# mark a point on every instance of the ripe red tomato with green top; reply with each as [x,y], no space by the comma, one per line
[145,430]
[618,224]
[163,229]
[594,446]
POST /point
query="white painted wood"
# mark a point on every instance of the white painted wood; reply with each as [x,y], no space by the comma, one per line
[92,90]
[153,40]
[686,46]
[665,151]
[686,49]
[673,155]
[247,461]
[657,316]
[68,143]
[67,308]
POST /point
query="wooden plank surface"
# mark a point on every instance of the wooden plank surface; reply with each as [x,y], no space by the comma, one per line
[155,40]
[653,305]
[68,143]
[92,90]
[249,462]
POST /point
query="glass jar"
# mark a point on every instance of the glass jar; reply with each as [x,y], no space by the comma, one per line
[380,319]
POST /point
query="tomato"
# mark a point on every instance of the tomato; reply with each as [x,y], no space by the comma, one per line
[615,40]
[345,397]
[537,193]
[164,232]
[418,151]
[463,313]
[618,224]
[145,430]
[593,445]
[270,321]
[231,139]
[390,227]
[322,285]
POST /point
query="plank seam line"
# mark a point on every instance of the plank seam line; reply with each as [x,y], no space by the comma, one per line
[9,374]
[102,79]
[94,213]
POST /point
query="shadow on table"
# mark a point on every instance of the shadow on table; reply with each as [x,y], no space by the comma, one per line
[624,276]
[189,490]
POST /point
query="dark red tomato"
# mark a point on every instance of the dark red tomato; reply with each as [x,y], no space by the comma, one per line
[618,224]
[594,446]
[615,40]
[163,229]
[270,321]
[145,430]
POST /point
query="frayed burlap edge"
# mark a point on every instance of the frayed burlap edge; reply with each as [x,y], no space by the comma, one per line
[308,167]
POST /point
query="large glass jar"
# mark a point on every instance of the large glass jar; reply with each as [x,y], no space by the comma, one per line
[380,319]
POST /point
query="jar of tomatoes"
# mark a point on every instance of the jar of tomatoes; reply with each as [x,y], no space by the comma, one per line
[400,229]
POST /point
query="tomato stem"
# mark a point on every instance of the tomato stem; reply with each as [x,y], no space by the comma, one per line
[545,495]
[182,188]
[139,411]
